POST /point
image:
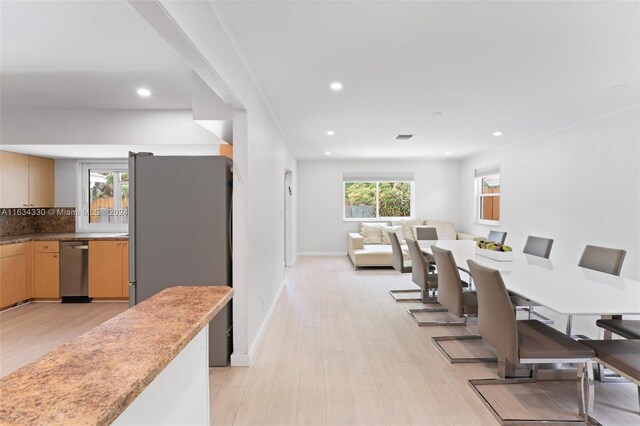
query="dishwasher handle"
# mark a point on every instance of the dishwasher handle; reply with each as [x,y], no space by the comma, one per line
[78,247]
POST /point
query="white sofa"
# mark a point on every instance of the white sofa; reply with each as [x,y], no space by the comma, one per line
[371,246]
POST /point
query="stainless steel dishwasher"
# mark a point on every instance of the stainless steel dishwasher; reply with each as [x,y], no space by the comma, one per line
[74,276]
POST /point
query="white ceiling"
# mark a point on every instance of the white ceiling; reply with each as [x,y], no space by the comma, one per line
[525,68]
[86,55]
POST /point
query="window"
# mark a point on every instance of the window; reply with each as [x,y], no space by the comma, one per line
[377,197]
[488,196]
[104,197]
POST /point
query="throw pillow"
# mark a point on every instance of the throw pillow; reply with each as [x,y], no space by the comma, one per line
[445,230]
[407,227]
[385,233]
[372,232]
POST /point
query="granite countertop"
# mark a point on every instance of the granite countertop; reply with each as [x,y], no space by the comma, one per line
[93,378]
[73,236]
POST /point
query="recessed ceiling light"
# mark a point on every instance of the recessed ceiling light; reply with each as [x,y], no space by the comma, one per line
[405,137]
[143,93]
[330,133]
[447,153]
[436,114]
[327,153]
[498,133]
[336,85]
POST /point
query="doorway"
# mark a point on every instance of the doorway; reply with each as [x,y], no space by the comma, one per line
[288,195]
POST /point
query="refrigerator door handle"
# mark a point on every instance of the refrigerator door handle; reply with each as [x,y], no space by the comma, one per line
[132,228]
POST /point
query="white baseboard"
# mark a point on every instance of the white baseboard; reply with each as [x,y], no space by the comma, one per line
[293,261]
[322,253]
[244,360]
[240,360]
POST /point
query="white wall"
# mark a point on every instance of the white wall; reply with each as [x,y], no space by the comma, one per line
[119,127]
[261,156]
[321,228]
[578,186]
[65,171]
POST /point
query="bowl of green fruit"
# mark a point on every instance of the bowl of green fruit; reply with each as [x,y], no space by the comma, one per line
[494,250]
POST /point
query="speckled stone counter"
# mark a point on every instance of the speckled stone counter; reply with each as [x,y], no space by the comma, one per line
[93,378]
[72,236]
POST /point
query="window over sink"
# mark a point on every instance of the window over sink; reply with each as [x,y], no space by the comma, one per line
[104,196]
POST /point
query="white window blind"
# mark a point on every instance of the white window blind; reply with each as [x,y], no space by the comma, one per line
[374,177]
[487,171]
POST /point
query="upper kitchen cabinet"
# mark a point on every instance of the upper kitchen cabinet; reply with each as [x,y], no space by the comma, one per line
[41,182]
[26,181]
[14,179]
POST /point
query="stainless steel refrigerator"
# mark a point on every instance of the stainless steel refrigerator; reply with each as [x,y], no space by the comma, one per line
[180,231]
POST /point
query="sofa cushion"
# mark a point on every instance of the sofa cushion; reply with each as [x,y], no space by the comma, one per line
[390,228]
[372,232]
[407,226]
[373,255]
[445,230]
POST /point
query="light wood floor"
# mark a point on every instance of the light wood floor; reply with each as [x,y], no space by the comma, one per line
[29,331]
[340,351]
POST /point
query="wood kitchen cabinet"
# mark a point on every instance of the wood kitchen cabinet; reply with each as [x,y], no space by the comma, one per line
[41,182]
[26,181]
[14,179]
[46,270]
[13,274]
[109,269]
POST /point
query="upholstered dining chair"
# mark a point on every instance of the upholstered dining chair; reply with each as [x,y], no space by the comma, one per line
[609,261]
[524,342]
[426,233]
[540,247]
[452,299]
[404,267]
[497,236]
[601,259]
[620,356]
[423,272]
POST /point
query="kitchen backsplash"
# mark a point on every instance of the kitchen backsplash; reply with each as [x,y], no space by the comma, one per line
[56,220]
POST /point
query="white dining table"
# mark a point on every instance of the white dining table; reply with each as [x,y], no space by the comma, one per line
[564,288]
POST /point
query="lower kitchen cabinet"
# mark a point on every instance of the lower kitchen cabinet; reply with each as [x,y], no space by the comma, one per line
[13,274]
[108,269]
[46,275]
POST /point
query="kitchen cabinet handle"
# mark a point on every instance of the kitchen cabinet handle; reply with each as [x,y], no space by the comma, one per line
[55,255]
[46,246]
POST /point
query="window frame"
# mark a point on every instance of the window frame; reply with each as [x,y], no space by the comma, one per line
[478,195]
[82,195]
[378,218]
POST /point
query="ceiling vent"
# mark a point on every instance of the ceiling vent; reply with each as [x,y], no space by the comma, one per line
[403,137]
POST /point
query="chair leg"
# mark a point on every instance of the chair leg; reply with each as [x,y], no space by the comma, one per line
[505,369]
[406,291]
[585,390]
[585,395]
[436,341]
[435,308]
